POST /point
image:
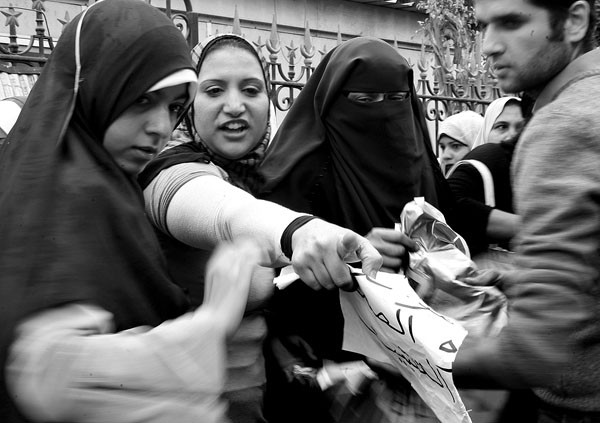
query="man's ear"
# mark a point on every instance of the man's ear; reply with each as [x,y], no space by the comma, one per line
[578,21]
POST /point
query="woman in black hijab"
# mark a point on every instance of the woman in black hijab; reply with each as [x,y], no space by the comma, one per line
[353,149]
[82,276]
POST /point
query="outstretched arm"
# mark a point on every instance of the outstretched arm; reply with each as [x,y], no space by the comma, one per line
[206,210]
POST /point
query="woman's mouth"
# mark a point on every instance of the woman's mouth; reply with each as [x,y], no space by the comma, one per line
[234,126]
[147,151]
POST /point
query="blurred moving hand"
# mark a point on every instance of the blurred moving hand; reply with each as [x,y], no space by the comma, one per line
[228,275]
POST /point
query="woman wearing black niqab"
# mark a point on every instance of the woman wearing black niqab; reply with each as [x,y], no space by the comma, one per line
[353,150]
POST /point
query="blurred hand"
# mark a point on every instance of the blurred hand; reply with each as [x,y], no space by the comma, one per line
[227,283]
[393,246]
[321,251]
[290,350]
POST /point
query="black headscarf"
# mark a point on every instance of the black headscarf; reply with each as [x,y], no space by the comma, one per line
[72,223]
[355,165]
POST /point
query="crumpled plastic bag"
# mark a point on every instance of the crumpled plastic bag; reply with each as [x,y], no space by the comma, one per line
[446,278]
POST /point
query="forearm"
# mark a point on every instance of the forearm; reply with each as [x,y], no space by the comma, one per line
[196,206]
[502,226]
[472,214]
[223,213]
[205,210]
[66,365]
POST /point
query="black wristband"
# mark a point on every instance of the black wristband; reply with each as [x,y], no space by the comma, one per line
[286,236]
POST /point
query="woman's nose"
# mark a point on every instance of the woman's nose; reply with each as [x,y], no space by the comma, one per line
[234,104]
[447,154]
[161,122]
[513,133]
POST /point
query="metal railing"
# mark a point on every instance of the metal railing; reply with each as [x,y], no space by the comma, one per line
[443,89]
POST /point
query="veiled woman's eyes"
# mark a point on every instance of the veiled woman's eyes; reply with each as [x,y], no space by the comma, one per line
[365,98]
[398,96]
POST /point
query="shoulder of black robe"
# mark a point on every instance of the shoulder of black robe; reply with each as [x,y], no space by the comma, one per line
[72,223]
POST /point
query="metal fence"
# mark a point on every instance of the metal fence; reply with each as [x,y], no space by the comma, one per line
[443,88]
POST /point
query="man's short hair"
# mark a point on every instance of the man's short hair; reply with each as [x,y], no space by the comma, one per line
[558,15]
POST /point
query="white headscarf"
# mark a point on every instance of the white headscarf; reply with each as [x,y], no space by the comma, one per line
[462,127]
[9,112]
[494,110]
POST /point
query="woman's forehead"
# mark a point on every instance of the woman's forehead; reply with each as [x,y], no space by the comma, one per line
[231,59]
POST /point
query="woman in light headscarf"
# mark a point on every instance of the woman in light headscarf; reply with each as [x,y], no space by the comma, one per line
[503,121]
[353,149]
[9,112]
[93,328]
[456,137]
[479,220]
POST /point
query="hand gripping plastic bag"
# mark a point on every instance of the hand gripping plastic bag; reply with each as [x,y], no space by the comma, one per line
[446,277]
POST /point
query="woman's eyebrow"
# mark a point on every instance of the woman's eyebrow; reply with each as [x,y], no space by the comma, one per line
[210,81]
[253,79]
[221,80]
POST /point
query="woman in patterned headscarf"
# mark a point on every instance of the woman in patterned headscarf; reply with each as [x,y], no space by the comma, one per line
[93,328]
[229,129]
